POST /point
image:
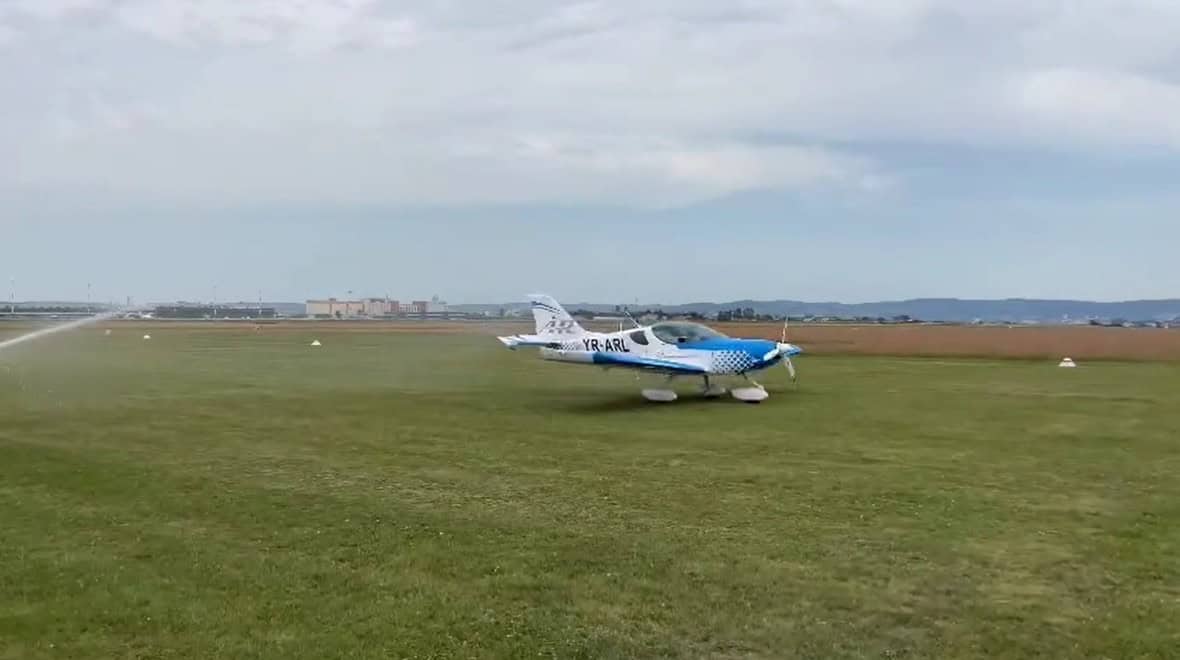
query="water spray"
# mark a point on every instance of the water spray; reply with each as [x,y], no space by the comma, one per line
[72,325]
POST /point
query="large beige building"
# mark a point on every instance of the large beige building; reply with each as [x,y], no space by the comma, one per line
[370,308]
[333,308]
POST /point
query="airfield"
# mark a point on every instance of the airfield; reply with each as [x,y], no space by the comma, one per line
[414,490]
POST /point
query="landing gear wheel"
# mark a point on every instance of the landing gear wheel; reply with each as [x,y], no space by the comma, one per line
[749,394]
[661,395]
[754,394]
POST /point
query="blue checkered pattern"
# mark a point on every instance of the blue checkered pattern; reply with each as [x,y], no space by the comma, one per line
[732,362]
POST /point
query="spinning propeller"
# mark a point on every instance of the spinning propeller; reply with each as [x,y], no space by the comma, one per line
[785,350]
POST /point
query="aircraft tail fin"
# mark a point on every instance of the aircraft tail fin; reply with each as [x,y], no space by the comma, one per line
[551,318]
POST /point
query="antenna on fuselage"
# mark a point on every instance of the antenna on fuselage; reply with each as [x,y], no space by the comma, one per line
[627,313]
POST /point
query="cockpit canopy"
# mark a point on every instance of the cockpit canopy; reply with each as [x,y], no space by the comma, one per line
[682,332]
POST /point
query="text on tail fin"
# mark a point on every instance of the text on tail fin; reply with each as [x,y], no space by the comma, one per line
[551,318]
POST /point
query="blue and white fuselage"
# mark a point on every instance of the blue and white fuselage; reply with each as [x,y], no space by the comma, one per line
[674,348]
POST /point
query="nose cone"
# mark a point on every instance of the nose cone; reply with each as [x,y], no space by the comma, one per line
[759,348]
[782,350]
[761,345]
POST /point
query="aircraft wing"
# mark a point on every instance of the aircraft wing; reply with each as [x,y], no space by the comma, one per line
[645,363]
[551,349]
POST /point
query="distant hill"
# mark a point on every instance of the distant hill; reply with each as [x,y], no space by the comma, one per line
[1014,310]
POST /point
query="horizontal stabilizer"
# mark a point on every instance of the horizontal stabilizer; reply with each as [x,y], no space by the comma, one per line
[515,341]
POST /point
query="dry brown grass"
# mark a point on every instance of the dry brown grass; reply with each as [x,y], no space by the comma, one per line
[1078,342]
[1039,342]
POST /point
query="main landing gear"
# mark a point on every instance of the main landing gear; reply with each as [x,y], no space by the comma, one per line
[712,391]
[664,395]
[755,393]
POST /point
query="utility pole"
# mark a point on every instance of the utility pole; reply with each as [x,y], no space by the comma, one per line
[88,298]
[12,296]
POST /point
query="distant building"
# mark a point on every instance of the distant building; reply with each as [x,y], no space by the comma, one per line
[333,308]
[373,308]
[183,311]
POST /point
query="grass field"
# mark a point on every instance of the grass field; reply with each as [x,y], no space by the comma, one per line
[234,494]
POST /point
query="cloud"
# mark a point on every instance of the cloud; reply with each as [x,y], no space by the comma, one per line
[567,23]
[304,25]
[665,171]
[49,10]
[638,103]
[300,24]
[1105,108]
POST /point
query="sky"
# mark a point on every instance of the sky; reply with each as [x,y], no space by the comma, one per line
[613,151]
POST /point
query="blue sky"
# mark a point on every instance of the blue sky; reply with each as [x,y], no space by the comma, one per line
[665,151]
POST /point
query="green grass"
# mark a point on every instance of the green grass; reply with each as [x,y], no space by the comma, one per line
[232,495]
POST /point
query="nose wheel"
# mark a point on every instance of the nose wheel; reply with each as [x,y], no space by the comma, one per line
[755,393]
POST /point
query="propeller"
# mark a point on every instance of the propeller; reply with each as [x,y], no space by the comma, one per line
[786,350]
[791,370]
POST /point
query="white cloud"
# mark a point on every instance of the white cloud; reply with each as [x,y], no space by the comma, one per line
[49,9]
[1103,108]
[665,171]
[305,25]
[649,103]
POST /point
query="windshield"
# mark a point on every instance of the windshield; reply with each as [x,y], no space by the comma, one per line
[682,333]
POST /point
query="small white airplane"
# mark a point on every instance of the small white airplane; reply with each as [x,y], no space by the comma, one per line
[672,348]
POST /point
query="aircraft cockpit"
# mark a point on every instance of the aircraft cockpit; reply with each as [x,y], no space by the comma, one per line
[682,332]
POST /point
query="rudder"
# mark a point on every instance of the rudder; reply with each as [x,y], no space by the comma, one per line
[552,319]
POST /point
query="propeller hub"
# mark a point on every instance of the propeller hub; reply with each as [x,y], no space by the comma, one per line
[782,349]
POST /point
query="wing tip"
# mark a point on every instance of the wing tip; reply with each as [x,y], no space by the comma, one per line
[510,342]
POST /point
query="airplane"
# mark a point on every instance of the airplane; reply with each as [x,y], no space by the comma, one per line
[671,348]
